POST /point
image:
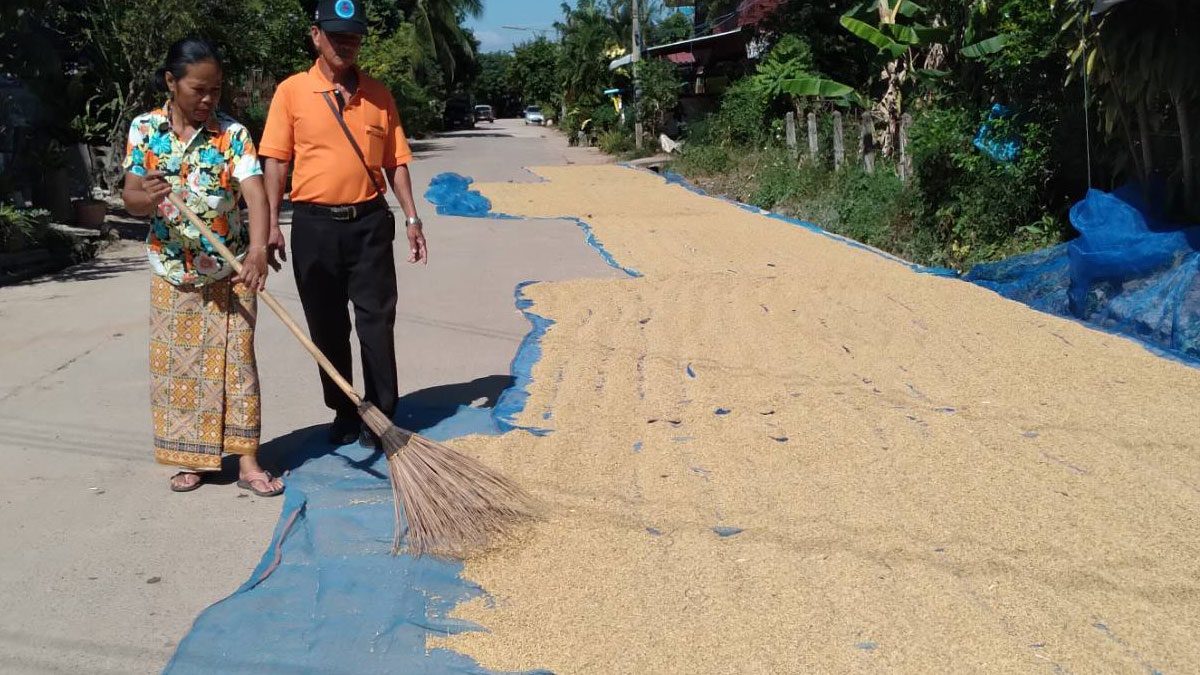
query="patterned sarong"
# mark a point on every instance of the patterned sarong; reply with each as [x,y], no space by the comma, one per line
[204,393]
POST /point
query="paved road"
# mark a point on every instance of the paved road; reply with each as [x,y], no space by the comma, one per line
[102,569]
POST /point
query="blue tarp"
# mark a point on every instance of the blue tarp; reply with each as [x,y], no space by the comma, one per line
[328,596]
[1128,272]
[452,195]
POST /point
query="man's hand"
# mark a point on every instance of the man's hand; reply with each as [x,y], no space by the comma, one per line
[276,245]
[418,253]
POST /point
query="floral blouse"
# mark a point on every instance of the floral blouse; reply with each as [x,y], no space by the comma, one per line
[207,172]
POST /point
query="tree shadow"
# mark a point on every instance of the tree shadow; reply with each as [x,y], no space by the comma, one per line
[416,411]
[476,134]
[425,147]
[97,268]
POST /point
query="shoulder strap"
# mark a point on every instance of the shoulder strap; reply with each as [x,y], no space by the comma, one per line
[337,114]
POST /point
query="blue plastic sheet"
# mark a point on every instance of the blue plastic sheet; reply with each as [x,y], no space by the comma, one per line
[328,596]
[1002,146]
[452,195]
[1128,272]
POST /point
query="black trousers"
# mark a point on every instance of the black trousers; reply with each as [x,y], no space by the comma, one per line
[341,262]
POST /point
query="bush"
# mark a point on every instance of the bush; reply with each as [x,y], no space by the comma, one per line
[877,209]
[25,229]
[741,119]
[980,209]
[704,159]
[616,142]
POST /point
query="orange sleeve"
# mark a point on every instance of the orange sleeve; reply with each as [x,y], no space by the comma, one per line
[396,151]
[277,139]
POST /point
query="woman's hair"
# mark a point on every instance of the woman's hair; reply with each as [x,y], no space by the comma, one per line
[183,53]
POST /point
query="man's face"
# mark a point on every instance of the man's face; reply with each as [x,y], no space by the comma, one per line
[339,50]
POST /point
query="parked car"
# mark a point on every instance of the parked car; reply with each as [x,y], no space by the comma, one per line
[484,112]
[459,114]
[533,115]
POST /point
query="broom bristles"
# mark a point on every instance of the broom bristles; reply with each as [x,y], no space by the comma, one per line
[455,504]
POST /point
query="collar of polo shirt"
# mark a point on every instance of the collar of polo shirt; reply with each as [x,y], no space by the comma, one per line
[324,84]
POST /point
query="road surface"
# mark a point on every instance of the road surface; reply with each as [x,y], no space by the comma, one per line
[102,568]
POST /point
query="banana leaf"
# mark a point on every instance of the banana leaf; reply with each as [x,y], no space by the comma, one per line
[985,47]
[816,86]
[871,34]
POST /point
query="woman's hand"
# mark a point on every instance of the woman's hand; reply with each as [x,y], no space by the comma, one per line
[144,194]
[156,187]
[254,269]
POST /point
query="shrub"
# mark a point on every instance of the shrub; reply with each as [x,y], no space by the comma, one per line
[979,208]
[616,142]
[704,159]
[741,119]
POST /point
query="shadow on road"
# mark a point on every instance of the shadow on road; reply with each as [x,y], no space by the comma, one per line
[417,411]
[475,134]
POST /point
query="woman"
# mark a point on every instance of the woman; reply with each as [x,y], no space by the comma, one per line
[204,392]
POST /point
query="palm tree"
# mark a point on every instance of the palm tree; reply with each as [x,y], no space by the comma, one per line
[440,30]
[587,35]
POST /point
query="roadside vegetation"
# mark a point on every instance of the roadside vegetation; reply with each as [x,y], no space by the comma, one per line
[990,95]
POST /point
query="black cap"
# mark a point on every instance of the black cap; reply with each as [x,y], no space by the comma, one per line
[341,16]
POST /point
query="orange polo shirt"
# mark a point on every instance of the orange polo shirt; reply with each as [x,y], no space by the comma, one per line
[301,129]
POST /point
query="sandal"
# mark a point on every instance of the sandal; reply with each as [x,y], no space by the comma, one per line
[180,486]
[247,481]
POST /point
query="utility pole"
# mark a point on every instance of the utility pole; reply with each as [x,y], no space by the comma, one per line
[636,56]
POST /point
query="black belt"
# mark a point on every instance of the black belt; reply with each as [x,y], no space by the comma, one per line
[345,211]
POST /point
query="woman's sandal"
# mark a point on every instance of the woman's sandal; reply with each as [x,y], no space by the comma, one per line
[246,482]
[180,486]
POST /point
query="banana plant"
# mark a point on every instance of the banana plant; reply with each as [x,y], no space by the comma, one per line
[788,71]
[913,43]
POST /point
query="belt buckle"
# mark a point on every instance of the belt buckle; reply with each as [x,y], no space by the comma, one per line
[345,212]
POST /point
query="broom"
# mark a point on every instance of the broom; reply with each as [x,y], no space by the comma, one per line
[455,504]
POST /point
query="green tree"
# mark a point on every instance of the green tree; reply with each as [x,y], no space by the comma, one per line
[587,38]
[442,35]
[660,83]
[393,60]
[492,85]
[534,73]
[676,27]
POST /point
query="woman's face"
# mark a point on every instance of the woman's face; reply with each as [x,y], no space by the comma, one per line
[198,92]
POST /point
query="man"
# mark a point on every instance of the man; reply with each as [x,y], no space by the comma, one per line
[342,227]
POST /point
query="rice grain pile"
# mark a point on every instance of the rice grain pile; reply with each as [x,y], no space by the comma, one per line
[776,453]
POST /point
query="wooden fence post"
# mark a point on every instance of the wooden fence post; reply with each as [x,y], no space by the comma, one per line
[905,158]
[790,121]
[813,148]
[867,142]
[839,143]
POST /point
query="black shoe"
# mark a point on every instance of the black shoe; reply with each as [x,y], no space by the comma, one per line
[344,430]
[368,439]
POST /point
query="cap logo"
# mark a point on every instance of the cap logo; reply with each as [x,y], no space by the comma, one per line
[344,9]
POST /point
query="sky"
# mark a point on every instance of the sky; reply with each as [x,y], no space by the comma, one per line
[539,14]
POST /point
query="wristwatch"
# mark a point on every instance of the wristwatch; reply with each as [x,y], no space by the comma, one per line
[412,220]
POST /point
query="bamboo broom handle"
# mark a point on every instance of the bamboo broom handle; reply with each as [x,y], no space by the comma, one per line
[270,300]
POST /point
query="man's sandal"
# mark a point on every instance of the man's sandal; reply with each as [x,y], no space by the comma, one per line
[246,482]
[181,486]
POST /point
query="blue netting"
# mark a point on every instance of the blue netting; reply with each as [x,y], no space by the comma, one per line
[451,194]
[1127,272]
